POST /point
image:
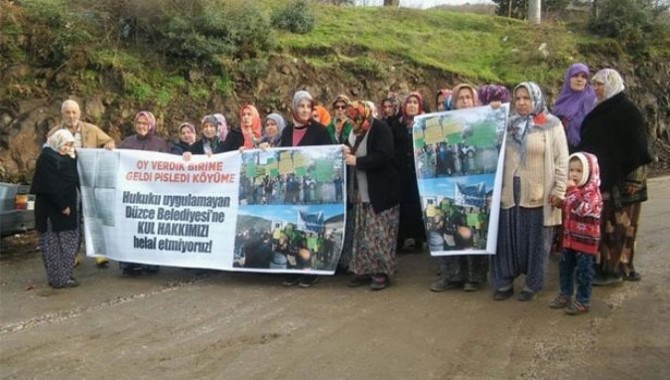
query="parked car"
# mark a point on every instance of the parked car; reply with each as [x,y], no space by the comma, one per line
[17,209]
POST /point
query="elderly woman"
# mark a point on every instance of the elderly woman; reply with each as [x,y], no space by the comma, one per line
[374,190]
[55,187]
[574,102]
[186,139]
[534,182]
[274,125]
[411,219]
[303,131]
[616,133]
[340,127]
[144,139]
[466,272]
[210,141]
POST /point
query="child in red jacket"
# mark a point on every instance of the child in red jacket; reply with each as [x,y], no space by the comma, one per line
[581,233]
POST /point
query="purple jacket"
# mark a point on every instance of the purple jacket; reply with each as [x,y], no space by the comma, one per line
[148,142]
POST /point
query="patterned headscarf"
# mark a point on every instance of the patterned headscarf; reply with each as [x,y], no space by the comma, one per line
[210,145]
[458,88]
[360,115]
[519,125]
[221,126]
[392,97]
[256,129]
[493,93]
[574,105]
[151,121]
[297,98]
[60,138]
[409,119]
[281,123]
[191,128]
[612,81]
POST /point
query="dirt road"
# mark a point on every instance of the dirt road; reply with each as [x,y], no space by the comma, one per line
[184,324]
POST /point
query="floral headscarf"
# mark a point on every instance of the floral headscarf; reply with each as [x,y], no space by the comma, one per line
[458,88]
[392,97]
[151,121]
[191,128]
[210,145]
[250,140]
[612,81]
[221,126]
[281,123]
[574,105]
[493,93]
[297,98]
[60,138]
[360,115]
[519,125]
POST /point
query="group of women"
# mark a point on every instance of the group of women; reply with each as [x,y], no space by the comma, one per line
[592,115]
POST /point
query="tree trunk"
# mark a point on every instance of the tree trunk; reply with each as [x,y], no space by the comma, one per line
[534,11]
[391,3]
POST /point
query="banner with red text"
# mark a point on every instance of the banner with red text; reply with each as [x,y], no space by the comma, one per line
[280,210]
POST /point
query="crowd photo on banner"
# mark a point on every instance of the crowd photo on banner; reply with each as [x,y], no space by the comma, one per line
[490,180]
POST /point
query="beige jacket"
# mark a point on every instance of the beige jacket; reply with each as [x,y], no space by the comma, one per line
[91,135]
[538,179]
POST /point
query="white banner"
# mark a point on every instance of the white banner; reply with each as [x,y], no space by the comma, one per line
[281,210]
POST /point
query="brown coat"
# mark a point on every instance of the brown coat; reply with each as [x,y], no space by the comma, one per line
[91,135]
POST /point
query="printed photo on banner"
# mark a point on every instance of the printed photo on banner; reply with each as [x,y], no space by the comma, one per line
[304,176]
[458,160]
[291,213]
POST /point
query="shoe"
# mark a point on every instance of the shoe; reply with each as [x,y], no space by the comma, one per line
[576,308]
[101,262]
[501,295]
[606,279]
[560,301]
[308,280]
[77,261]
[441,285]
[470,286]
[632,276]
[291,280]
[526,295]
[71,283]
[132,271]
[359,280]
[379,282]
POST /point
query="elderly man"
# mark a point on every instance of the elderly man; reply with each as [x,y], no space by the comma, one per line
[86,136]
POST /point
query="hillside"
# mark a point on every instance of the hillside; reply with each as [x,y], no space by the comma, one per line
[118,58]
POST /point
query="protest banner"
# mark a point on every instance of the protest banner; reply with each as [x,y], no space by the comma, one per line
[458,158]
[251,211]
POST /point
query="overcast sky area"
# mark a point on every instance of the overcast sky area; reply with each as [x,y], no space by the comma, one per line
[423,3]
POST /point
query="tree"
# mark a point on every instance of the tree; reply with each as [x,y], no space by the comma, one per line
[391,3]
[534,11]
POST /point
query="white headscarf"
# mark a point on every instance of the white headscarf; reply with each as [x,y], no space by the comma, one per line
[612,81]
[60,138]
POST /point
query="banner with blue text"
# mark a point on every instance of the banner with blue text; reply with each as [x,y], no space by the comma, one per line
[280,210]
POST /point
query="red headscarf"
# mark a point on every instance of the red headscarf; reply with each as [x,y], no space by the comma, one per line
[251,139]
[360,115]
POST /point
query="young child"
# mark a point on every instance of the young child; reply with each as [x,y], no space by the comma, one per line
[581,233]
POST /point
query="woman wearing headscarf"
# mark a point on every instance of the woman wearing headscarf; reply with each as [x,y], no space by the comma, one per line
[390,109]
[533,184]
[574,102]
[55,187]
[374,191]
[186,139]
[274,125]
[321,115]
[211,131]
[340,128]
[303,131]
[462,271]
[250,126]
[616,133]
[143,139]
[411,219]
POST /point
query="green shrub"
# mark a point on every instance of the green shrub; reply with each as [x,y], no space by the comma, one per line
[295,18]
